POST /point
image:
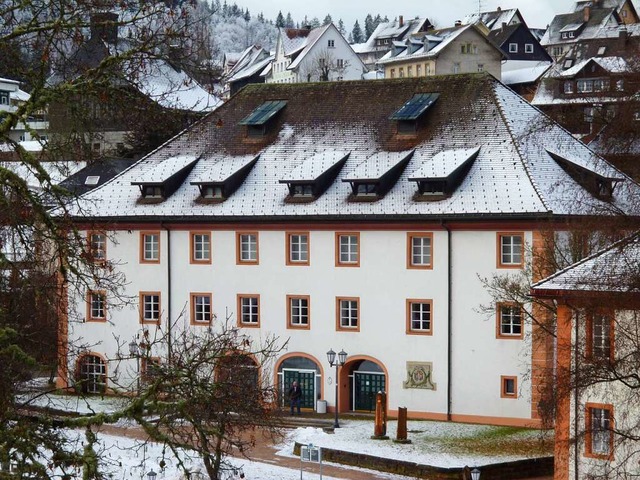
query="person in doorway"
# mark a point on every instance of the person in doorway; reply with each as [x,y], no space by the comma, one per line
[295,394]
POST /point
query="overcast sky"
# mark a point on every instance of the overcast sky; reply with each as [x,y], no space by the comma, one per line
[537,13]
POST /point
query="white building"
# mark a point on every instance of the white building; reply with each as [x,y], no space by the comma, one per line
[310,212]
[321,54]
[597,403]
[11,97]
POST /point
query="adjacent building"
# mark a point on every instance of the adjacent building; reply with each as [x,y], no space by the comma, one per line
[36,127]
[309,212]
[459,49]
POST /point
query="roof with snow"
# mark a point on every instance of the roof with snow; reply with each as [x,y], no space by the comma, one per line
[393,31]
[444,163]
[512,176]
[610,64]
[526,72]
[613,270]
[599,20]
[314,166]
[494,20]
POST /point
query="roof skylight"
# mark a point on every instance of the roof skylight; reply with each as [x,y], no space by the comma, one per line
[415,107]
[263,113]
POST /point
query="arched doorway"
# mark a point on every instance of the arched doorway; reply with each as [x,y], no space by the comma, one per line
[366,378]
[91,373]
[307,373]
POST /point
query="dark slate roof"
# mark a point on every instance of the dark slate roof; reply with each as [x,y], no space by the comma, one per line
[513,175]
[597,21]
[501,35]
[104,169]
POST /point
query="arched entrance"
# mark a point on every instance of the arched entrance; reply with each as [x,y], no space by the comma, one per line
[304,370]
[366,378]
[91,373]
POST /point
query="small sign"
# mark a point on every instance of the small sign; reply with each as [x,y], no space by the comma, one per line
[309,453]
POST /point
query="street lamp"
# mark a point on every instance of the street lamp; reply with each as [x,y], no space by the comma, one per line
[134,350]
[342,358]
[152,475]
[475,474]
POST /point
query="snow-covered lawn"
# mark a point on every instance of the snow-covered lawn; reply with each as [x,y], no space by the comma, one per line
[438,444]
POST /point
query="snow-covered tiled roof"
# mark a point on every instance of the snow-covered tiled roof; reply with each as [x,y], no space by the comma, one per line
[173,88]
[57,171]
[528,74]
[610,64]
[614,269]
[293,39]
[161,172]
[311,39]
[493,20]
[218,168]
[443,164]
[376,166]
[389,30]
[512,175]
[314,166]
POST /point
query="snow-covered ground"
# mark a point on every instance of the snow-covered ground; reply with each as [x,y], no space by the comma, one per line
[433,443]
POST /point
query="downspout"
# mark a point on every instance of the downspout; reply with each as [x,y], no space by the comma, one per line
[449,319]
[169,340]
[575,401]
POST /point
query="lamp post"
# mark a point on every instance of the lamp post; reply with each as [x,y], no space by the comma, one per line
[152,475]
[342,358]
[134,350]
[475,474]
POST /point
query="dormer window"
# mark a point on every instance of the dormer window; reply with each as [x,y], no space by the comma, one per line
[309,180]
[438,177]
[259,121]
[218,177]
[410,113]
[162,179]
[373,178]
[599,185]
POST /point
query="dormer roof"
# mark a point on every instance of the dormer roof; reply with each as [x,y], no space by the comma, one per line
[164,171]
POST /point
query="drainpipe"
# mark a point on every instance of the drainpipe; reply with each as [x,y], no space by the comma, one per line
[449,319]
[575,402]
[169,340]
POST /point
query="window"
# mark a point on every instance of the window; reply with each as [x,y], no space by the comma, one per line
[509,387]
[152,191]
[201,309]
[247,248]
[298,248]
[510,250]
[602,50]
[419,317]
[568,87]
[456,67]
[98,246]
[418,70]
[401,72]
[599,430]
[348,313]
[513,48]
[419,250]
[585,85]
[331,43]
[150,247]
[557,51]
[393,73]
[509,319]
[528,48]
[409,71]
[568,63]
[480,67]
[96,306]
[298,311]
[427,69]
[150,307]
[248,310]
[212,191]
[96,147]
[599,336]
[340,63]
[200,247]
[600,84]
[347,249]
[587,114]
[93,374]
[620,85]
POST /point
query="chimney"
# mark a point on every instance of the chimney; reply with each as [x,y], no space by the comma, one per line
[458,23]
[504,26]
[401,20]
[622,36]
[587,13]
[499,9]
[105,26]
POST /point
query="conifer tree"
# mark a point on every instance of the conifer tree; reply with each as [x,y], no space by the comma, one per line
[280,20]
[341,29]
[368,26]
[289,23]
[356,33]
[327,20]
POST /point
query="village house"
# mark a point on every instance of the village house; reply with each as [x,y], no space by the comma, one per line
[36,127]
[312,55]
[598,308]
[251,66]
[459,49]
[293,211]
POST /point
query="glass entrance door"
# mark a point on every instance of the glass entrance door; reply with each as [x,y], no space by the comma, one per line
[365,387]
[307,381]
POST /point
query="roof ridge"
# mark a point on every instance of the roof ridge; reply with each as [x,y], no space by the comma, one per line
[534,184]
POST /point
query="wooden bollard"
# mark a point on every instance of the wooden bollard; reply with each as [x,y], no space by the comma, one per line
[380,428]
[401,432]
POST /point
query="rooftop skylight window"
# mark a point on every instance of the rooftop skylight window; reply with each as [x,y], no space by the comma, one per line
[409,114]
[258,120]
[92,180]
[311,178]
